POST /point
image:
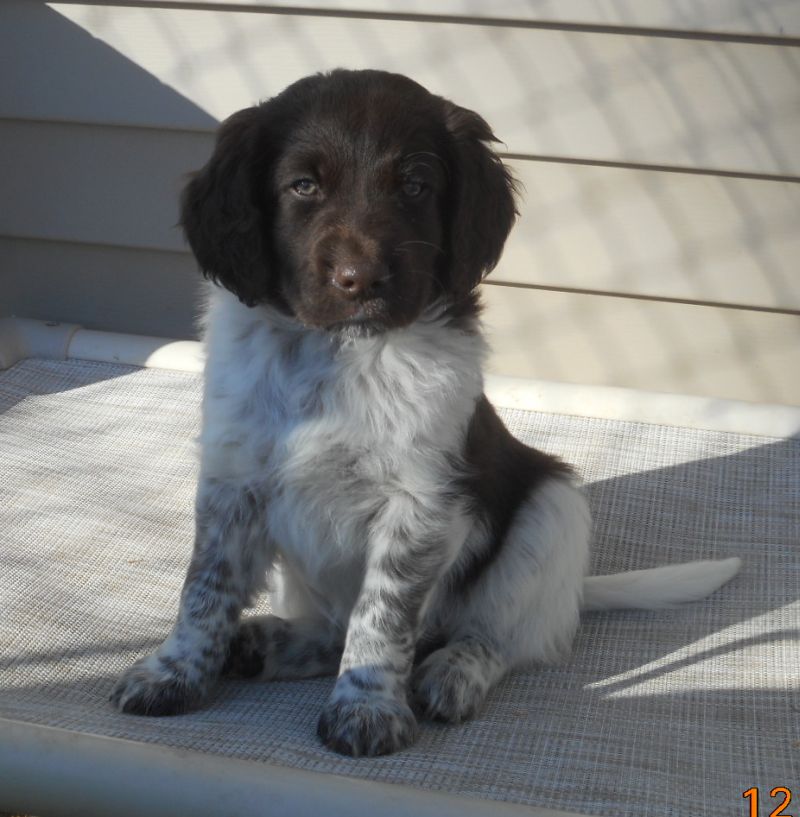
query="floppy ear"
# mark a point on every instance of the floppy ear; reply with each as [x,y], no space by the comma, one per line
[222,223]
[482,207]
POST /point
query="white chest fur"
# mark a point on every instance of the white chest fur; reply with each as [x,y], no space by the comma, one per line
[325,430]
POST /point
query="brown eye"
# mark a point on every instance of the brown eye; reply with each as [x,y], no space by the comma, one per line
[305,187]
[412,188]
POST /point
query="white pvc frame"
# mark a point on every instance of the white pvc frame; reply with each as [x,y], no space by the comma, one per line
[58,773]
[21,338]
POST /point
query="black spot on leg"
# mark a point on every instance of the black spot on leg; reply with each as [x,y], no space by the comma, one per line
[207,583]
[223,570]
[327,654]
[426,645]
[252,665]
[244,657]
[394,613]
[171,666]
[200,664]
[364,681]
[281,637]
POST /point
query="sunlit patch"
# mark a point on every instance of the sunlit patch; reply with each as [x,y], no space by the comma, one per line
[751,654]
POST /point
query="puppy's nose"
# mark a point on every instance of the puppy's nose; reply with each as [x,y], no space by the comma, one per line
[358,280]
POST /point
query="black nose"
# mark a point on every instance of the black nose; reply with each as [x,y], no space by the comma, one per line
[358,280]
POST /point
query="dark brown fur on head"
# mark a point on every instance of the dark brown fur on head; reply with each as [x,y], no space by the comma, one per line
[354,198]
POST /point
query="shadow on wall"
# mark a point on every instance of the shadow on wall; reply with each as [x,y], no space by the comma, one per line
[107,205]
[60,67]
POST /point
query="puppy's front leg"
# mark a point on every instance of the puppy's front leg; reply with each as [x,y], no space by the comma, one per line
[227,566]
[368,711]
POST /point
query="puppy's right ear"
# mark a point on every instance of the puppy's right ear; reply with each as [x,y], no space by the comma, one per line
[219,216]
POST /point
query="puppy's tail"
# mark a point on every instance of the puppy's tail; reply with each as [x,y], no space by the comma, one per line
[657,587]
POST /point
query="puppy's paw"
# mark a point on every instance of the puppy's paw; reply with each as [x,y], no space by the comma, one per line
[157,685]
[367,726]
[446,689]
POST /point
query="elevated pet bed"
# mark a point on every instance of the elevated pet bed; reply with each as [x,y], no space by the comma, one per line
[655,713]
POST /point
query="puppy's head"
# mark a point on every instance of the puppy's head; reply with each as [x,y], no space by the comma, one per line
[351,200]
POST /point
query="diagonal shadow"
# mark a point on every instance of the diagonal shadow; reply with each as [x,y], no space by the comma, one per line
[72,74]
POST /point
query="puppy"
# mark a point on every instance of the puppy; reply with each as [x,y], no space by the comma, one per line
[350,460]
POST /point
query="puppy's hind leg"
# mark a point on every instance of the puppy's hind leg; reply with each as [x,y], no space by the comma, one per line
[452,682]
[274,648]
[523,606]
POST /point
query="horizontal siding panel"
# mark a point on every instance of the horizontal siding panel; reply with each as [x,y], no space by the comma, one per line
[668,235]
[779,18]
[634,232]
[115,186]
[105,288]
[658,346]
[603,97]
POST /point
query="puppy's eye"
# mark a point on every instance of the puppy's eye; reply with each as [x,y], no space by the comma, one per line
[305,187]
[412,188]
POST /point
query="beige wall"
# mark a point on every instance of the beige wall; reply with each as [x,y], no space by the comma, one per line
[659,239]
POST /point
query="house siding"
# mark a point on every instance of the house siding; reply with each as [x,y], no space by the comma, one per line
[658,242]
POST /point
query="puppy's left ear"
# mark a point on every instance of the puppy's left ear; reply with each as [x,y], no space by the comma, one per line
[482,206]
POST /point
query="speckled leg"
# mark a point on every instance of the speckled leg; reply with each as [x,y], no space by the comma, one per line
[368,712]
[227,568]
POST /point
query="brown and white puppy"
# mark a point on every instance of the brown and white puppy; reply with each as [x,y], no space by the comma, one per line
[349,456]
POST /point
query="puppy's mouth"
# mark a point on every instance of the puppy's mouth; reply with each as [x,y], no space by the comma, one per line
[366,320]
[357,318]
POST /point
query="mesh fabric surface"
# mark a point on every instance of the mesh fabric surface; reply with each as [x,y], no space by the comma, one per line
[656,713]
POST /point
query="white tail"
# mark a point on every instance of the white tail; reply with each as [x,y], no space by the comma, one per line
[657,587]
